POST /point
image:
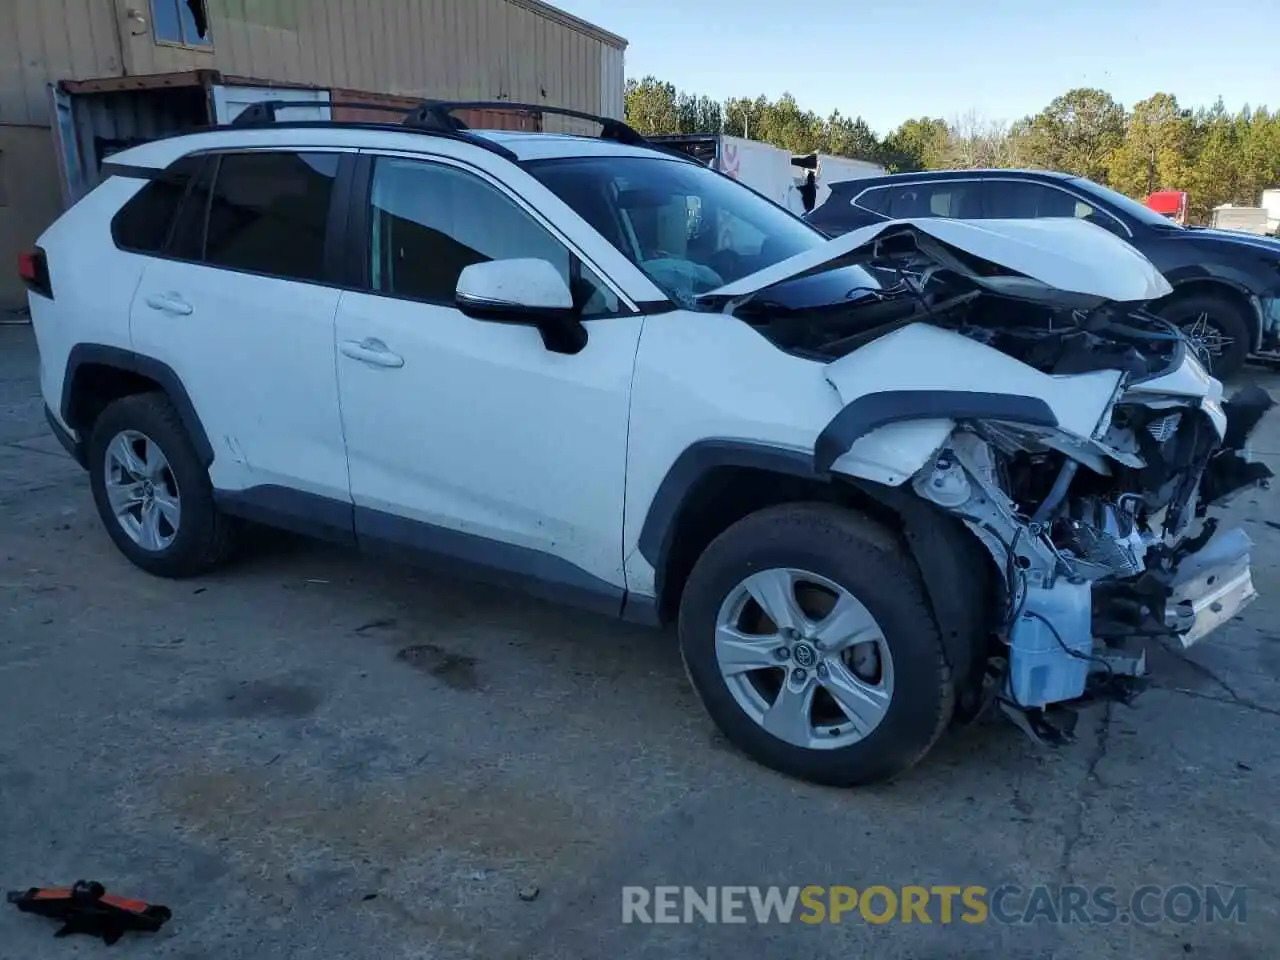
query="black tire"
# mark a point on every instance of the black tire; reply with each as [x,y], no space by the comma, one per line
[1224,315]
[870,562]
[204,537]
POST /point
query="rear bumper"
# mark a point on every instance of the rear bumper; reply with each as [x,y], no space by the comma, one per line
[66,438]
[1210,587]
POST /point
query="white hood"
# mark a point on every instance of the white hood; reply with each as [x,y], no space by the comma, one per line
[1064,253]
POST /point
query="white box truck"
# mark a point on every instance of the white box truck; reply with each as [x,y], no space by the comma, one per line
[763,167]
[1271,203]
[1240,219]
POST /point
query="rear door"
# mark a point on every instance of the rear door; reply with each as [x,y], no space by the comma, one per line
[239,305]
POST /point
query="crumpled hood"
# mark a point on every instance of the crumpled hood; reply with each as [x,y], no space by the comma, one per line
[1066,254]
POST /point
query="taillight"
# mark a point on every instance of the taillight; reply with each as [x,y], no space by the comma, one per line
[33,268]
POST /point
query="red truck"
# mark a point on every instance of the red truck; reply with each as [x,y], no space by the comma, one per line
[1171,203]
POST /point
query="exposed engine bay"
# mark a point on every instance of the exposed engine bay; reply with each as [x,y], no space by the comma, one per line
[908,279]
[1095,516]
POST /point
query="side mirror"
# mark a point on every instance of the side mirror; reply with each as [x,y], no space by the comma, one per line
[525,291]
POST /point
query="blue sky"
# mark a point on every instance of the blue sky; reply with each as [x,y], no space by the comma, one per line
[1003,58]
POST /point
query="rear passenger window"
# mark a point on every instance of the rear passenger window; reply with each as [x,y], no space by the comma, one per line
[943,198]
[186,241]
[142,224]
[267,213]
[876,200]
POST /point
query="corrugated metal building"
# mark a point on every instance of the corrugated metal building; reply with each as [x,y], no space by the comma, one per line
[141,68]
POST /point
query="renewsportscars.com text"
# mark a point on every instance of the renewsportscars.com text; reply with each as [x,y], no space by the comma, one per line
[942,904]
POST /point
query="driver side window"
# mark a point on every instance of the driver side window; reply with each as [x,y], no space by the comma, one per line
[430,221]
[1012,199]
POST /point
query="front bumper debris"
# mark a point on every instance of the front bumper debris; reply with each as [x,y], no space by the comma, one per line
[1210,587]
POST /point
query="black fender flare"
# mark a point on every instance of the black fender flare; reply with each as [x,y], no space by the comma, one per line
[874,410]
[698,459]
[102,355]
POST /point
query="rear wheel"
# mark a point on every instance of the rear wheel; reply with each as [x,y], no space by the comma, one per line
[807,633]
[1218,329]
[151,490]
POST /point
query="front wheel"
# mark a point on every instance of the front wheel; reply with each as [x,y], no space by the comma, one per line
[1218,330]
[807,633]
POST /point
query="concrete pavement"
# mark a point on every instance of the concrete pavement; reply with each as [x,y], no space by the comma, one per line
[311,753]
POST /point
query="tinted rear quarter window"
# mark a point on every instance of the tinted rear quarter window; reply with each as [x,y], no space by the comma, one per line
[142,224]
[268,213]
[876,199]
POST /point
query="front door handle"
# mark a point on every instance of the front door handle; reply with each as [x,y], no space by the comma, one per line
[372,351]
[169,303]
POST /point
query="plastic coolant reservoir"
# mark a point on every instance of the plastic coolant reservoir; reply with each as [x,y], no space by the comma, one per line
[1040,670]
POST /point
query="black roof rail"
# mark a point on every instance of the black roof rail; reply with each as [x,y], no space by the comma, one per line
[437,115]
[263,113]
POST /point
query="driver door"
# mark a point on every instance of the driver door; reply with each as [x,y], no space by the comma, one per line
[469,439]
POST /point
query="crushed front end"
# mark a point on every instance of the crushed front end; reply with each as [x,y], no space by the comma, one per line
[1105,542]
[1007,374]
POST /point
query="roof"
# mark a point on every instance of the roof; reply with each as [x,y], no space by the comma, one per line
[956,174]
[545,146]
[525,146]
[559,16]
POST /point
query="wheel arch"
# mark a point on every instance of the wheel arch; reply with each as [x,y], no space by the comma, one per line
[1216,286]
[97,374]
[716,483]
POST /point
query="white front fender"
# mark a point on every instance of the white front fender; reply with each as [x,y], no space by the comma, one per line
[903,394]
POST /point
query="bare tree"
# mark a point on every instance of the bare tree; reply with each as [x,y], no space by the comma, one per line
[977,141]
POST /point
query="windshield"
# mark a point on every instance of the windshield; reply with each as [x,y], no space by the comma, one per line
[688,228]
[1126,205]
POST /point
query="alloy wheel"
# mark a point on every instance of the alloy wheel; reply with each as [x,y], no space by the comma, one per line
[142,490]
[804,658]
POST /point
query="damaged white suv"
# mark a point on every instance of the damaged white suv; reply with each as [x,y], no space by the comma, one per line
[881,483]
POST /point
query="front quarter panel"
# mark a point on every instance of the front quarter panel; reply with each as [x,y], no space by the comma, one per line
[876,414]
[1252,269]
[923,359]
[710,376]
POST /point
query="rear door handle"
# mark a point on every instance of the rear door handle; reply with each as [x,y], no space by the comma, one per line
[169,303]
[371,351]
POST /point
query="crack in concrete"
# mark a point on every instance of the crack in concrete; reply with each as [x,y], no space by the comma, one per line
[1234,700]
[1210,675]
[18,445]
[1088,789]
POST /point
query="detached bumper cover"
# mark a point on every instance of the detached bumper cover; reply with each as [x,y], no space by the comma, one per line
[1210,587]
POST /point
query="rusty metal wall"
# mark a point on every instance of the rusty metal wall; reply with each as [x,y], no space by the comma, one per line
[463,49]
[467,49]
[46,40]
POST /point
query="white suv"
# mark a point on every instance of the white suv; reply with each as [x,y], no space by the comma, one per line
[879,482]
